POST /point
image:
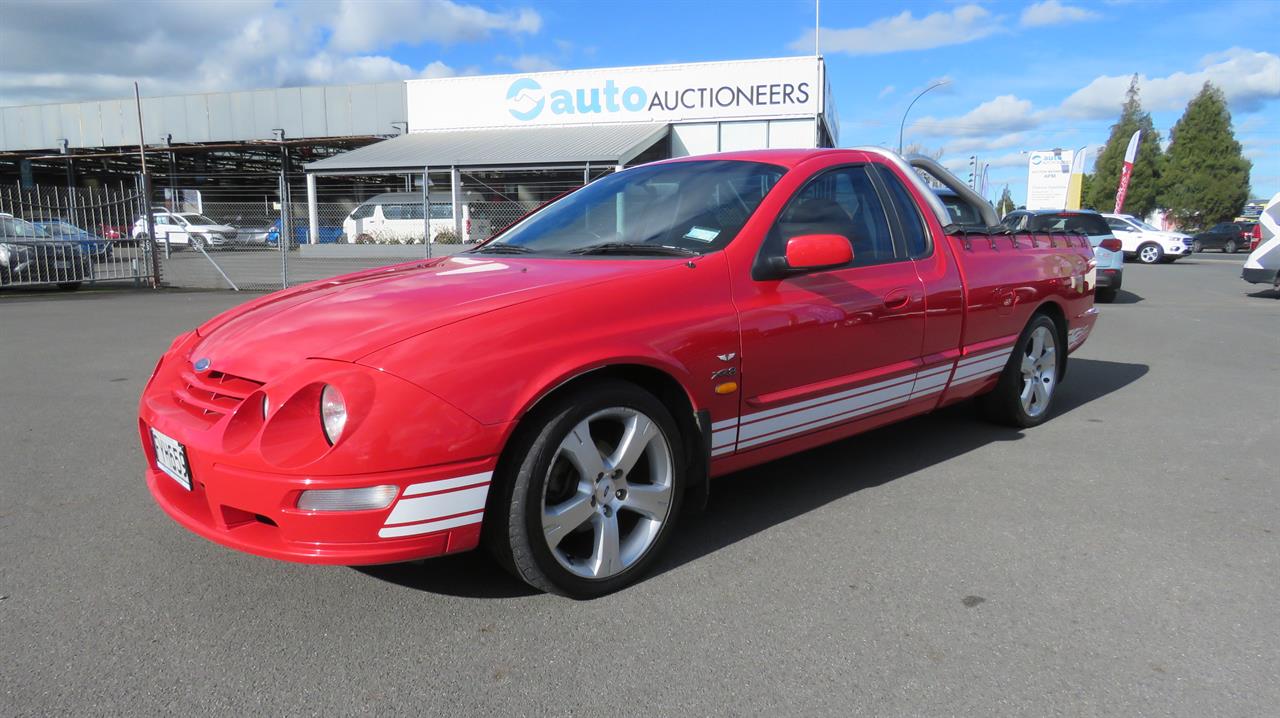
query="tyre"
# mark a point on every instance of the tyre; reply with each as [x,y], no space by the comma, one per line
[1197,246]
[1024,394]
[1150,253]
[588,492]
[1229,247]
[1105,295]
[199,244]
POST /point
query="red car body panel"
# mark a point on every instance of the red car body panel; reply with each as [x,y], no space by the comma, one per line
[439,360]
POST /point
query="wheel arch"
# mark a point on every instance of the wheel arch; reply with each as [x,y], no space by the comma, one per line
[1054,310]
[694,424]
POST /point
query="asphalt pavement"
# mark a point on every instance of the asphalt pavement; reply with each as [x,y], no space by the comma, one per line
[1122,559]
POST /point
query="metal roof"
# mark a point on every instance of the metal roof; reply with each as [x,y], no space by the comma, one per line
[537,146]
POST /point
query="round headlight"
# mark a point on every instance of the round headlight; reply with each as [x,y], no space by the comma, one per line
[333,413]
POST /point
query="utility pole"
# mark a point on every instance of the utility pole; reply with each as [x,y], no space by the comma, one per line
[286,228]
[146,197]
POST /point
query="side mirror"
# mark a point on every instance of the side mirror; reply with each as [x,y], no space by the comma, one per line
[809,252]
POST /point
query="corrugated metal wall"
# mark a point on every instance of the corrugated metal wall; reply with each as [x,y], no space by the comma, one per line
[329,111]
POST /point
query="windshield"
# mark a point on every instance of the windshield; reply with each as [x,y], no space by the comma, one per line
[1090,224]
[197,219]
[694,207]
[14,228]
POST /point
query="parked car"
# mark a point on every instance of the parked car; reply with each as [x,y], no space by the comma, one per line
[397,217]
[91,245]
[1229,237]
[574,382]
[186,229]
[962,213]
[1107,250]
[30,255]
[1263,264]
[1146,243]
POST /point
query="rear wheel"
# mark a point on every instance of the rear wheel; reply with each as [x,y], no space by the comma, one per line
[1150,253]
[590,491]
[1105,295]
[1024,394]
[1197,246]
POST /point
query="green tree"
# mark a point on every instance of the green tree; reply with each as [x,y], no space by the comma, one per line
[1206,176]
[1143,195]
[1005,205]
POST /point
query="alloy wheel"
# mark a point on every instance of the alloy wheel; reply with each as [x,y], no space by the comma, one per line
[1039,371]
[1149,254]
[608,492]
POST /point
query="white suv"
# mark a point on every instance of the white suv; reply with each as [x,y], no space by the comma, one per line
[1148,244]
[186,229]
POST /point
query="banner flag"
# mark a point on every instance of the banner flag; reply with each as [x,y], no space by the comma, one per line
[1129,155]
[1075,185]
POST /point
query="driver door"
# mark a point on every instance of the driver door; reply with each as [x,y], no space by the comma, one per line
[830,350]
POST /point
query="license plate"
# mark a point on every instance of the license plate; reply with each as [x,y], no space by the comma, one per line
[171,458]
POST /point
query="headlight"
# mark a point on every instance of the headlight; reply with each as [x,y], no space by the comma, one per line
[333,413]
[266,406]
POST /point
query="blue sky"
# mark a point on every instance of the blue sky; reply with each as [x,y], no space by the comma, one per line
[1022,75]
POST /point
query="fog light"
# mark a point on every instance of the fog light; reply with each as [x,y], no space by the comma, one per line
[363,499]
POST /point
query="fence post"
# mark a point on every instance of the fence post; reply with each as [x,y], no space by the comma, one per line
[151,232]
[313,211]
[286,232]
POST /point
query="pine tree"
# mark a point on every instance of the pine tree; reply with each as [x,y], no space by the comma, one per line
[1144,184]
[1206,176]
[1005,205]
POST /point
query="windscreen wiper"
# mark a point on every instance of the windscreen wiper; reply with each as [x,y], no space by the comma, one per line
[502,249]
[635,248]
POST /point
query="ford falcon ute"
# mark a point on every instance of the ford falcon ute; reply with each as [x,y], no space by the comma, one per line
[561,394]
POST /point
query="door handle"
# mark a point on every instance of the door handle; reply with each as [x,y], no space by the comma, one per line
[897,299]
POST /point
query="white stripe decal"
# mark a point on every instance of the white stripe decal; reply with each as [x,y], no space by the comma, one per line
[796,406]
[415,529]
[811,414]
[446,484]
[724,436]
[438,505]
[825,411]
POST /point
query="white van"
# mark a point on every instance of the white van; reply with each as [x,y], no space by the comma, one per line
[396,218]
[1263,264]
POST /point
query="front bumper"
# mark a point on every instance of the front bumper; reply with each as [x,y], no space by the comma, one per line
[248,470]
[1259,275]
[257,512]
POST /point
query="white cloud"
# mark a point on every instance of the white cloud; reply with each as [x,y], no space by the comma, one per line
[906,32]
[985,144]
[888,90]
[1053,12]
[1248,78]
[86,51]
[1006,113]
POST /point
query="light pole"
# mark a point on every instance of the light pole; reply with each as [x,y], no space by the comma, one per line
[903,124]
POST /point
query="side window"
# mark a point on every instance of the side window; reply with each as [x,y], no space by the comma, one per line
[1118,225]
[441,210]
[393,211]
[1012,221]
[909,213]
[411,211]
[841,201]
[364,211]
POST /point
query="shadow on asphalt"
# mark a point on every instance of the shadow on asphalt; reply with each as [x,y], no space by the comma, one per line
[1266,294]
[1124,296]
[750,501]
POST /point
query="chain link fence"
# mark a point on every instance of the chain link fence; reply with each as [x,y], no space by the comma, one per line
[71,236]
[264,244]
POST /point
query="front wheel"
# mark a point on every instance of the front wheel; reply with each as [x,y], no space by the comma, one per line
[1229,247]
[590,491]
[1024,394]
[1150,254]
[1197,246]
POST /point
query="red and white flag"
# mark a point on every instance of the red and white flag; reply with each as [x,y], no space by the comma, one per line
[1129,155]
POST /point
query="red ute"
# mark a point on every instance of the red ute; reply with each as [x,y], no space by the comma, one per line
[561,391]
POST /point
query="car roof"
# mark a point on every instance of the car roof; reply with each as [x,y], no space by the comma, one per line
[787,158]
[1055,211]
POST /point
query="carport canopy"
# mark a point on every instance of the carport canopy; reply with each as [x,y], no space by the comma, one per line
[496,148]
[493,148]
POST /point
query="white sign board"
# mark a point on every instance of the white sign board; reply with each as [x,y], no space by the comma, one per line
[1048,176]
[660,93]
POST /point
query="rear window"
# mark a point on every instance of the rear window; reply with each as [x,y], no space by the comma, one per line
[1090,224]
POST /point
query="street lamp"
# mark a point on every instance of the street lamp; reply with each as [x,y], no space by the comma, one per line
[903,124]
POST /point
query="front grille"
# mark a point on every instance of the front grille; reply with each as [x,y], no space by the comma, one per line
[211,395]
